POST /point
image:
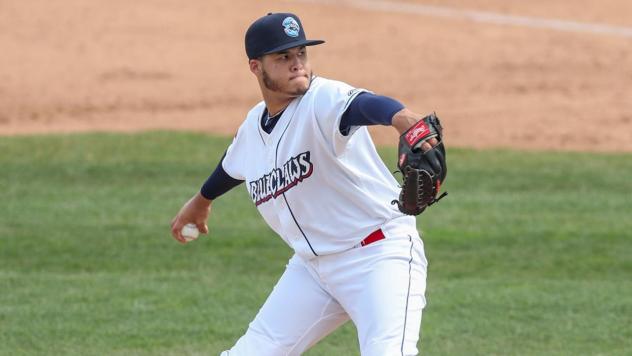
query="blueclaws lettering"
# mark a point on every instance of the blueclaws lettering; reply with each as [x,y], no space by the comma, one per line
[280,180]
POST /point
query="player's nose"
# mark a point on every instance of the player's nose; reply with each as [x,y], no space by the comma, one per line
[296,64]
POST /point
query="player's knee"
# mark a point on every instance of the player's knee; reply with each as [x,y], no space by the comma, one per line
[394,350]
[253,343]
[390,348]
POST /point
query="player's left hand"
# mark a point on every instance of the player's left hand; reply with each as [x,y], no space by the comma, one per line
[427,145]
[423,165]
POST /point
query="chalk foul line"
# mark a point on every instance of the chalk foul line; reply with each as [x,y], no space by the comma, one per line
[482,16]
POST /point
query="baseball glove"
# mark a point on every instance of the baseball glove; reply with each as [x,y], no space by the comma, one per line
[423,172]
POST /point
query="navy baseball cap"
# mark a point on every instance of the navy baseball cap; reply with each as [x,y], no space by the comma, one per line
[275,33]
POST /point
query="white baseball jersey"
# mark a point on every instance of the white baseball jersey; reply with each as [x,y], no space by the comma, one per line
[321,191]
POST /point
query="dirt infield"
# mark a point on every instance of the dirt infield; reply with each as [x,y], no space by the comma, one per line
[118,65]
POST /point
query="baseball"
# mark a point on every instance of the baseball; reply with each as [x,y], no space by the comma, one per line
[190,232]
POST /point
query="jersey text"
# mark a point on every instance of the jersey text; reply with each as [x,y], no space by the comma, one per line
[281,179]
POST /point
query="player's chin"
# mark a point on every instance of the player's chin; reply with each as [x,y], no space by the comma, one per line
[299,85]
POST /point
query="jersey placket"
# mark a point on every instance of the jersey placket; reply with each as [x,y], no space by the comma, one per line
[298,240]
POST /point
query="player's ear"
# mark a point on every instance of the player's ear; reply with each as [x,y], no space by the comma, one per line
[255,66]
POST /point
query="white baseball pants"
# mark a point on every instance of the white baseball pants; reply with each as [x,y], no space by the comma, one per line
[380,287]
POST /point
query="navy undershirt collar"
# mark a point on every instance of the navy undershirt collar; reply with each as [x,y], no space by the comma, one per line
[268,123]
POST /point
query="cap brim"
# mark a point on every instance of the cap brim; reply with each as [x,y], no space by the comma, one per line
[299,43]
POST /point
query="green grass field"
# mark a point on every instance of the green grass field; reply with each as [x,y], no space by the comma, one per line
[530,254]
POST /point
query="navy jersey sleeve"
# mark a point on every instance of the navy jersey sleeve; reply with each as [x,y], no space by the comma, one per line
[219,182]
[369,109]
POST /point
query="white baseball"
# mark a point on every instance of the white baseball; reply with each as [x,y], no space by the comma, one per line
[190,232]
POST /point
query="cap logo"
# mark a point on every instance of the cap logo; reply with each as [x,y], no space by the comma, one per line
[291,27]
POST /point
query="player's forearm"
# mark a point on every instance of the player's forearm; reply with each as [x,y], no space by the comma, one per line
[218,183]
[369,109]
[404,119]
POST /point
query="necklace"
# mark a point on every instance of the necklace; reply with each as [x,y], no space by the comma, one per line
[273,117]
[277,113]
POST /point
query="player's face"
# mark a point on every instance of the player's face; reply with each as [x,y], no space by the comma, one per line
[287,73]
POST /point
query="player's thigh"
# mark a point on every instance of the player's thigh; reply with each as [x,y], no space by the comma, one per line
[386,304]
[295,316]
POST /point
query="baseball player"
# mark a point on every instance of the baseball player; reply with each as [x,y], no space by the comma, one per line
[312,170]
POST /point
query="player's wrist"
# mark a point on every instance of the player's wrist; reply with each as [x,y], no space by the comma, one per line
[201,201]
[404,119]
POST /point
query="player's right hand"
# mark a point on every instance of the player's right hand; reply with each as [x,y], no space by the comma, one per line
[195,211]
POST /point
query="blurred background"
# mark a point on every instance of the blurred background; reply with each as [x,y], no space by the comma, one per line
[540,74]
[113,113]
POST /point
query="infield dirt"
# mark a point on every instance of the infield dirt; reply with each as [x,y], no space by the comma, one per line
[73,65]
